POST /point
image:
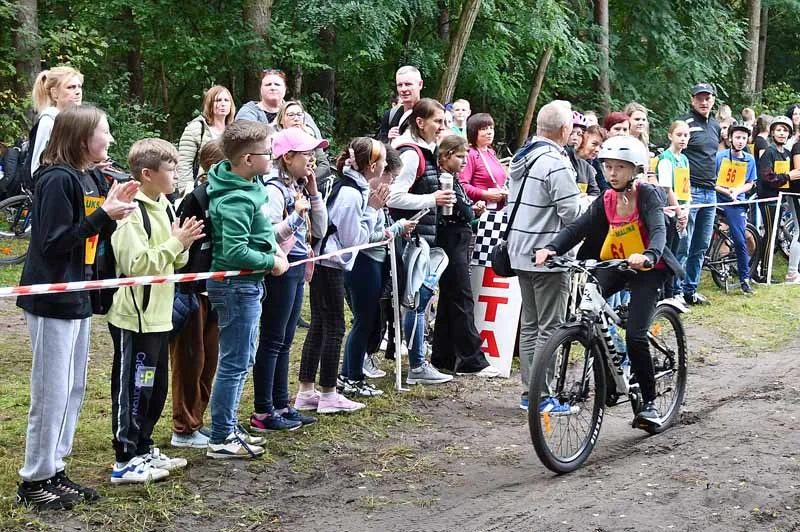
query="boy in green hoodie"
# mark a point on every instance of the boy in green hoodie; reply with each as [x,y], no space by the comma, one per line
[242,240]
[148,242]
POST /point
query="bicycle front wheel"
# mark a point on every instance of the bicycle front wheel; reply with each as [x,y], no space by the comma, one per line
[567,399]
[668,350]
[722,261]
[15,229]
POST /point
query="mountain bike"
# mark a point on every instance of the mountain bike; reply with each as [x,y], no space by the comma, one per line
[580,373]
[786,228]
[720,259]
[16,214]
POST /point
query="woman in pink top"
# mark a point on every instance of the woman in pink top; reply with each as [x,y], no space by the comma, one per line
[483,178]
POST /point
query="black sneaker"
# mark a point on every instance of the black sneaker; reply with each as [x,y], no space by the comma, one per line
[695,299]
[649,416]
[62,482]
[45,495]
[747,289]
[292,414]
[303,323]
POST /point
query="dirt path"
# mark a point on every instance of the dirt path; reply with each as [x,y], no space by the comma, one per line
[731,464]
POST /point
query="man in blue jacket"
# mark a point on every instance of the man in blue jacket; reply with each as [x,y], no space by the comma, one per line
[701,152]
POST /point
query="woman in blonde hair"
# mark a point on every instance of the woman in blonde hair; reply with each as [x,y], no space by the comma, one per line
[53,91]
[218,111]
[640,125]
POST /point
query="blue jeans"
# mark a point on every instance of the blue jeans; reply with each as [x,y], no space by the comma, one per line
[416,349]
[736,216]
[366,284]
[279,316]
[701,225]
[681,252]
[237,303]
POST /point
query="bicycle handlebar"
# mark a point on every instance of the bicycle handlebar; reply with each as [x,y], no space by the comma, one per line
[591,264]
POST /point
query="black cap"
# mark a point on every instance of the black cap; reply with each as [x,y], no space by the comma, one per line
[703,87]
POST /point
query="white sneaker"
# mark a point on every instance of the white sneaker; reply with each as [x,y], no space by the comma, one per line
[136,471]
[371,369]
[235,448]
[488,372]
[427,374]
[195,440]
[160,460]
[240,432]
[362,388]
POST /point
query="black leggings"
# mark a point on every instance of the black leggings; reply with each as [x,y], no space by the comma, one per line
[644,288]
[768,214]
[324,340]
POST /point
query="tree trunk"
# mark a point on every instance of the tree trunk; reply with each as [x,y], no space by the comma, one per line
[536,89]
[327,77]
[257,13]
[297,83]
[26,45]
[751,54]
[165,98]
[136,80]
[762,50]
[444,21]
[469,12]
[603,84]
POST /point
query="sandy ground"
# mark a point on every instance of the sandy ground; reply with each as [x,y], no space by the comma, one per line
[730,464]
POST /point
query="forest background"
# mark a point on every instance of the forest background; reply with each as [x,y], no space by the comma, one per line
[148,62]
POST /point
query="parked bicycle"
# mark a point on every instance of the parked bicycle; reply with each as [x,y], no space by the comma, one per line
[16,214]
[720,259]
[581,370]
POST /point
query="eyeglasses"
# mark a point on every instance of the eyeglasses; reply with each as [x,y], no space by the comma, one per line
[295,115]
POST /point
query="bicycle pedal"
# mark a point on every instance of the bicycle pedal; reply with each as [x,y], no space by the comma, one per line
[646,424]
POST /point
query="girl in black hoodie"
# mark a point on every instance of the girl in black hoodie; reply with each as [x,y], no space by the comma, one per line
[68,214]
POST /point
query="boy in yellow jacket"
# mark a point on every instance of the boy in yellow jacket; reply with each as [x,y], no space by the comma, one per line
[149,242]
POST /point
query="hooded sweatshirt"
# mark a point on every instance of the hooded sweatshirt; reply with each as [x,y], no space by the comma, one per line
[239,213]
[137,255]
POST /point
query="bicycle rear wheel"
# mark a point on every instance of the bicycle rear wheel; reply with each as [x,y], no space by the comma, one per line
[722,261]
[668,351]
[15,229]
[569,379]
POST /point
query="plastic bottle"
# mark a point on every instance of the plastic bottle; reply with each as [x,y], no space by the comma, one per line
[446,183]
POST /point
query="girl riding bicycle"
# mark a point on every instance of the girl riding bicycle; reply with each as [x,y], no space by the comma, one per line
[626,223]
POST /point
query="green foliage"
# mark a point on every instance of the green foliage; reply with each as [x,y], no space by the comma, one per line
[778,97]
[341,56]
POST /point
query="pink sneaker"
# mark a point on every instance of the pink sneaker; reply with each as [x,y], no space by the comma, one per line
[337,403]
[303,402]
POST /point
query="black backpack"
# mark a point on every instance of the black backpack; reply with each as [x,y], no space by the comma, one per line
[11,182]
[339,181]
[105,267]
[196,204]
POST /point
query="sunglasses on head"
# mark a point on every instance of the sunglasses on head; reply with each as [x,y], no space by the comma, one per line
[273,72]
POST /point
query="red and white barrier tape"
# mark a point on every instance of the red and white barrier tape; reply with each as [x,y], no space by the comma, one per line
[78,286]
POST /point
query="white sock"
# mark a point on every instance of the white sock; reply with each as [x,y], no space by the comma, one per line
[328,395]
[310,393]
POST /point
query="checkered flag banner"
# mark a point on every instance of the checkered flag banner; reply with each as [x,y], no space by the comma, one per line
[491,228]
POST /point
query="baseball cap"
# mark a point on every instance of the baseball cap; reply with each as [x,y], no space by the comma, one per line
[294,139]
[703,87]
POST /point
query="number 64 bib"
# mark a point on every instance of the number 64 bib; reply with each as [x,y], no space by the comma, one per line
[622,241]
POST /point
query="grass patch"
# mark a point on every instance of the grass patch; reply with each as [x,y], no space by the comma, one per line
[752,324]
[9,275]
[359,441]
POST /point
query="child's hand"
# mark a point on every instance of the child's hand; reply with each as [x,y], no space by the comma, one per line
[794,175]
[119,200]
[301,204]
[378,196]
[280,266]
[188,232]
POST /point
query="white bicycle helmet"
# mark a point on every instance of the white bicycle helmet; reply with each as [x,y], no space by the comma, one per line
[625,148]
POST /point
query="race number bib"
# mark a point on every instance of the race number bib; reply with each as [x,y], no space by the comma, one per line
[622,242]
[782,167]
[653,164]
[732,174]
[91,204]
[680,184]
[583,187]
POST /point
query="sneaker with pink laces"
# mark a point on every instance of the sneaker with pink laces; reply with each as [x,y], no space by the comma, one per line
[335,402]
[306,402]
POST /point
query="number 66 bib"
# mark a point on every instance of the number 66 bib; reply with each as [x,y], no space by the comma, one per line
[622,241]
